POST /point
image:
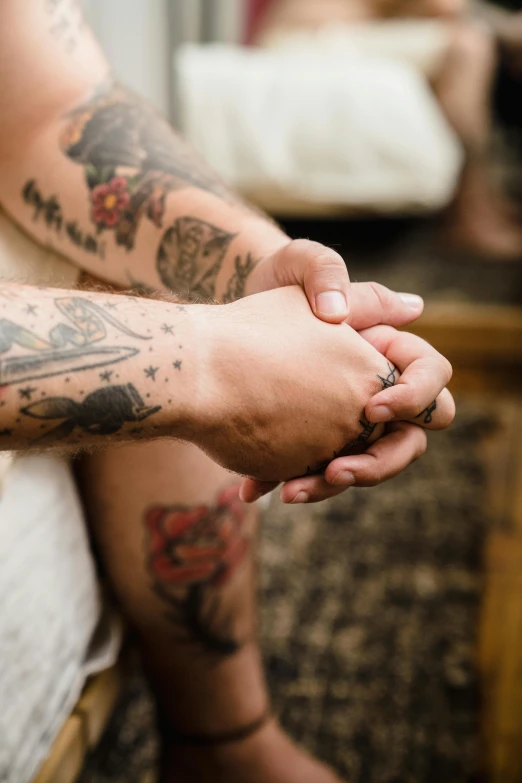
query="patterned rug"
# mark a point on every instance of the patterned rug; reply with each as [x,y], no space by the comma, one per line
[368,615]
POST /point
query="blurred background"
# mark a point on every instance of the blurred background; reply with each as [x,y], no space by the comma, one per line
[391,131]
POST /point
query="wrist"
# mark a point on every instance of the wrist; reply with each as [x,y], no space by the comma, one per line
[258,239]
[179,357]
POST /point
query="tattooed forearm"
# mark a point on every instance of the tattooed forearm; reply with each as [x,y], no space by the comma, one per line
[52,346]
[132,160]
[236,284]
[50,211]
[102,412]
[428,412]
[190,257]
[68,347]
[193,555]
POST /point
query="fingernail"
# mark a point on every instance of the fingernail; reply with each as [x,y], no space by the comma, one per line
[413,301]
[344,478]
[331,303]
[380,414]
[301,497]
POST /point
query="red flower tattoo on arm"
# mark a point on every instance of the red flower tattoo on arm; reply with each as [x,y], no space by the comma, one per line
[109,202]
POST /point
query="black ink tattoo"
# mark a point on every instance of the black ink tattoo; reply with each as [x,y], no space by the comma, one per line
[391,379]
[27,393]
[106,376]
[177,365]
[67,348]
[191,554]
[102,412]
[132,160]
[150,372]
[355,446]
[236,284]
[428,413]
[167,329]
[51,211]
[358,444]
[190,257]
[66,22]
[31,309]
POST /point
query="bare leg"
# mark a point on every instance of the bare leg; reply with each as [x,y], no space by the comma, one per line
[480,217]
[179,547]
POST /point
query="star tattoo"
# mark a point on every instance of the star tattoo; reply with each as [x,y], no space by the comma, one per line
[111,305]
[106,376]
[31,309]
[177,365]
[167,329]
[27,392]
[150,372]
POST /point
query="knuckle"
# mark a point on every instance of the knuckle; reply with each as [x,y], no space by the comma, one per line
[408,404]
[373,476]
[328,263]
[383,295]
[304,246]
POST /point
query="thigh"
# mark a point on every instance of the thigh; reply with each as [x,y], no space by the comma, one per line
[174,537]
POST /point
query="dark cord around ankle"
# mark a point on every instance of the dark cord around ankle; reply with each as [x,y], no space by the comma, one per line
[203,740]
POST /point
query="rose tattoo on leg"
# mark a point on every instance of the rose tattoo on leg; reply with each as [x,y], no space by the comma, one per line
[192,555]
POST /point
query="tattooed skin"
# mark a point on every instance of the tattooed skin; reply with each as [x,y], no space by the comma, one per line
[67,347]
[359,443]
[50,211]
[236,284]
[65,22]
[132,160]
[428,413]
[102,412]
[390,379]
[192,553]
[190,257]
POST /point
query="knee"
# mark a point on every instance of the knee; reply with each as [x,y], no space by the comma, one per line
[475,44]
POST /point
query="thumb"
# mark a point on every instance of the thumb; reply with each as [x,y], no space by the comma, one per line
[372,304]
[321,272]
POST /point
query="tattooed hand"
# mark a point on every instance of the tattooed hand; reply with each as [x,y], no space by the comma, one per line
[417,397]
[283,391]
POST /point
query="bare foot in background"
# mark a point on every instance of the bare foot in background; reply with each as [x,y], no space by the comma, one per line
[481,221]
